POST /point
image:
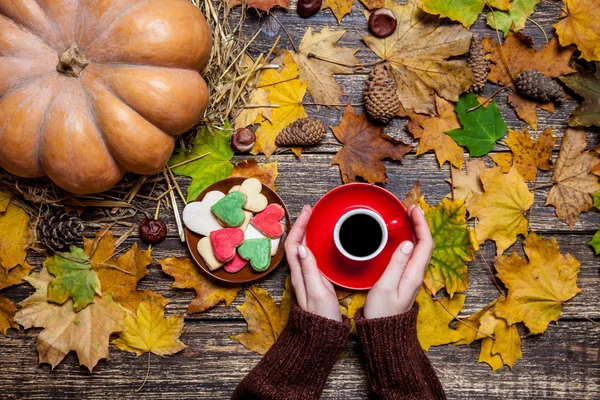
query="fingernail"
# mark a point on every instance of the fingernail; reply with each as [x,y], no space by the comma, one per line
[302,251]
[406,247]
[420,209]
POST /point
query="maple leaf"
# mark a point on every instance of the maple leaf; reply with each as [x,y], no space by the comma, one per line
[433,319]
[422,56]
[506,343]
[266,320]
[463,11]
[318,58]
[150,331]
[537,287]
[455,245]
[4,200]
[7,315]
[249,168]
[463,185]
[208,292]
[350,305]
[264,5]
[74,278]
[481,128]
[513,19]
[120,276]
[469,326]
[341,8]
[552,60]
[501,208]
[527,156]
[212,167]
[15,237]
[573,179]
[7,309]
[253,115]
[286,90]
[364,148]
[587,85]
[86,332]
[579,25]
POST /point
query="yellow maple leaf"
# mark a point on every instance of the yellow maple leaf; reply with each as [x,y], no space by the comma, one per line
[465,184]
[506,343]
[350,305]
[7,308]
[266,320]
[579,25]
[537,287]
[433,319]
[341,8]
[422,55]
[255,110]
[15,236]
[286,92]
[208,292]
[150,331]
[501,208]
[469,326]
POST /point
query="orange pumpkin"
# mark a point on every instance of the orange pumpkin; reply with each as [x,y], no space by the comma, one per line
[90,89]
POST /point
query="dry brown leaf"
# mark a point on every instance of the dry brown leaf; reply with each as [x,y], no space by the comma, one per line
[464,184]
[364,148]
[573,179]
[413,196]
[7,315]
[249,168]
[208,292]
[264,5]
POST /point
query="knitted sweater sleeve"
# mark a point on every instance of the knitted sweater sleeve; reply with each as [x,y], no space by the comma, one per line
[298,364]
[397,367]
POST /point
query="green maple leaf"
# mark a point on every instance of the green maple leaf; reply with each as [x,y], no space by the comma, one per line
[587,85]
[74,278]
[519,11]
[463,11]
[210,168]
[595,242]
[455,244]
[481,127]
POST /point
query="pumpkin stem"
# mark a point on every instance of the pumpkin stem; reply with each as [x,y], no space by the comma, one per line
[72,62]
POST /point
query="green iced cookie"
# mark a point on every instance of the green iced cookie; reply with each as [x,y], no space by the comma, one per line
[257,251]
[229,210]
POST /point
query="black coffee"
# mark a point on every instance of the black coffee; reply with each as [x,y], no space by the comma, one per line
[360,235]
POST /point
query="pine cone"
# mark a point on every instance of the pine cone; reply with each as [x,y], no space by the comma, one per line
[58,229]
[537,86]
[478,63]
[302,132]
[381,97]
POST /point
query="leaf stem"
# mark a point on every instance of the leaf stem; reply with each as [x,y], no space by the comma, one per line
[487,100]
[512,77]
[539,26]
[147,374]
[286,32]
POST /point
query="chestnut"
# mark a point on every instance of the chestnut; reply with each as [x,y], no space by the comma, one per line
[382,22]
[153,231]
[243,140]
[307,8]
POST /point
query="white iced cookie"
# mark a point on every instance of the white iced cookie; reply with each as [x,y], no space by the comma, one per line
[235,188]
[206,251]
[247,218]
[256,202]
[253,233]
[198,217]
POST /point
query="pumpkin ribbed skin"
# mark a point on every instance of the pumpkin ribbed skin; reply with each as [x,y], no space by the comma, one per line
[141,88]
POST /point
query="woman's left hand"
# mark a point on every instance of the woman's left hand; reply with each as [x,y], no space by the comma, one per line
[314,292]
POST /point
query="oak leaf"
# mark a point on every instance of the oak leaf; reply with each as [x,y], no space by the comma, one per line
[7,315]
[264,5]
[266,320]
[249,168]
[433,319]
[86,332]
[539,286]
[587,85]
[364,148]
[513,19]
[286,92]
[422,57]
[150,331]
[341,8]
[259,100]
[318,59]
[208,292]
[463,11]
[214,164]
[15,237]
[455,245]
[501,208]
[579,26]
[527,156]
[573,179]
[465,184]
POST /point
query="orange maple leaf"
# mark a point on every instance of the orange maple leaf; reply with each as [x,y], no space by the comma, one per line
[266,173]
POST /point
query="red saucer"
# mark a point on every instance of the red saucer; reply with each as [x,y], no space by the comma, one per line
[355,275]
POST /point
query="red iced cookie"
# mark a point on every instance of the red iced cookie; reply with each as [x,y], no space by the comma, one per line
[235,265]
[224,242]
[268,222]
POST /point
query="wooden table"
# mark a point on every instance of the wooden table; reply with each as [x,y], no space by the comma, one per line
[563,363]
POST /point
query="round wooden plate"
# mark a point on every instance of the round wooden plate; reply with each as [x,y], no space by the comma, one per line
[246,274]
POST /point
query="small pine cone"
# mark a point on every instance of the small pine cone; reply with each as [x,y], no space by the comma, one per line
[58,229]
[381,96]
[478,63]
[537,86]
[302,132]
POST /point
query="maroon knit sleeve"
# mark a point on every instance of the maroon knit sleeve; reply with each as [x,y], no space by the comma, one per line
[397,367]
[298,364]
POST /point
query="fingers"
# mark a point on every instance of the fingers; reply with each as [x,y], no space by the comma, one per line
[415,270]
[299,229]
[294,239]
[310,272]
[392,274]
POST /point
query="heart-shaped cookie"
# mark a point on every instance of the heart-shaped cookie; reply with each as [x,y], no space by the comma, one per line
[198,217]
[257,251]
[235,265]
[225,241]
[253,233]
[256,202]
[206,252]
[229,210]
[268,222]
